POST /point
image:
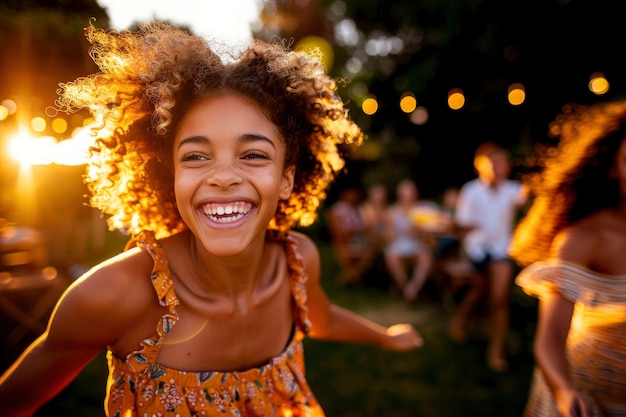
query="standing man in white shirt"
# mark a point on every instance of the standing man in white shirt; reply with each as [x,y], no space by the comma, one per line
[486,214]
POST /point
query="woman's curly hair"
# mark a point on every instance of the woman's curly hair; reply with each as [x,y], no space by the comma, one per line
[149,78]
[577,180]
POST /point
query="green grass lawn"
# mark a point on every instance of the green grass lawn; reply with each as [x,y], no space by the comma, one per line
[441,379]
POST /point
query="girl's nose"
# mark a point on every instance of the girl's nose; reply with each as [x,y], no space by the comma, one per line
[225,175]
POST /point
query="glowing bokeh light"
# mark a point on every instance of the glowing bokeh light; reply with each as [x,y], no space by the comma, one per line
[516,95]
[38,124]
[10,105]
[369,106]
[419,116]
[598,84]
[317,45]
[49,273]
[408,103]
[456,99]
[4,112]
[59,125]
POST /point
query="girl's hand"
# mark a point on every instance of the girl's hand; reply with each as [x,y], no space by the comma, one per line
[572,403]
[403,337]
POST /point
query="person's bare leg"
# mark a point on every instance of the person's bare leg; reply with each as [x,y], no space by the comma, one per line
[346,269]
[458,324]
[396,268]
[500,278]
[423,265]
[351,273]
[365,263]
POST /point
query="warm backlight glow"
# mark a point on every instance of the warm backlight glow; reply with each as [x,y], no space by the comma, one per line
[46,150]
[4,112]
[456,99]
[33,151]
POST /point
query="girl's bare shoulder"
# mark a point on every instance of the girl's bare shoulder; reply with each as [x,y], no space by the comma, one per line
[591,240]
[118,287]
[120,276]
[306,246]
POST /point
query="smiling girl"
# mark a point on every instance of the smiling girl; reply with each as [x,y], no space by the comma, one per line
[208,165]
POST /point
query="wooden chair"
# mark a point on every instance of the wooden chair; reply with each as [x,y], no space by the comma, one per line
[28,287]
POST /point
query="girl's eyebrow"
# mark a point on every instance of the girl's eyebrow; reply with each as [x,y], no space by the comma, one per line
[247,137]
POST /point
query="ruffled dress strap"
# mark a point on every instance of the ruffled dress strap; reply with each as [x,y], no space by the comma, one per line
[297,277]
[164,287]
[575,282]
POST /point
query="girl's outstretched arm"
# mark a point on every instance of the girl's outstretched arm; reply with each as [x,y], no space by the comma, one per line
[334,323]
[88,317]
[43,370]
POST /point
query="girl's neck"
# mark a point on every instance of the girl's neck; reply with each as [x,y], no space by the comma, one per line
[227,274]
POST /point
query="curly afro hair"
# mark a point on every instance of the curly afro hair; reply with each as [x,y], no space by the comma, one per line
[149,78]
[577,180]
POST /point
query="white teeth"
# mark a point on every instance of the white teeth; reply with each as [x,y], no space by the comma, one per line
[226,219]
[227,213]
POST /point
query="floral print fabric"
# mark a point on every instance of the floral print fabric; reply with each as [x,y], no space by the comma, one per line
[138,386]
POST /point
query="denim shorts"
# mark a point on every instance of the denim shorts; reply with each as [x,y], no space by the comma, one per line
[480,265]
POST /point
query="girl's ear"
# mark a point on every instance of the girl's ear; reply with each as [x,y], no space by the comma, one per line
[286,183]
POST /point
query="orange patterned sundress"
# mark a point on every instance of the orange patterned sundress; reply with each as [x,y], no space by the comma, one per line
[595,347]
[138,386]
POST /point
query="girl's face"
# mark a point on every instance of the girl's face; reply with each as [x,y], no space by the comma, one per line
[229,172]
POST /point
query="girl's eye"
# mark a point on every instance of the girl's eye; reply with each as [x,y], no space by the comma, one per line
[193,156]
[256,155]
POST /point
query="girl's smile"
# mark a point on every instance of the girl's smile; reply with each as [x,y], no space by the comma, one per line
[227,213]
[229,172]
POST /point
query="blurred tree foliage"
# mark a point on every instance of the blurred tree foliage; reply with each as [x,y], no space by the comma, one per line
[427,47]
[42,44]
